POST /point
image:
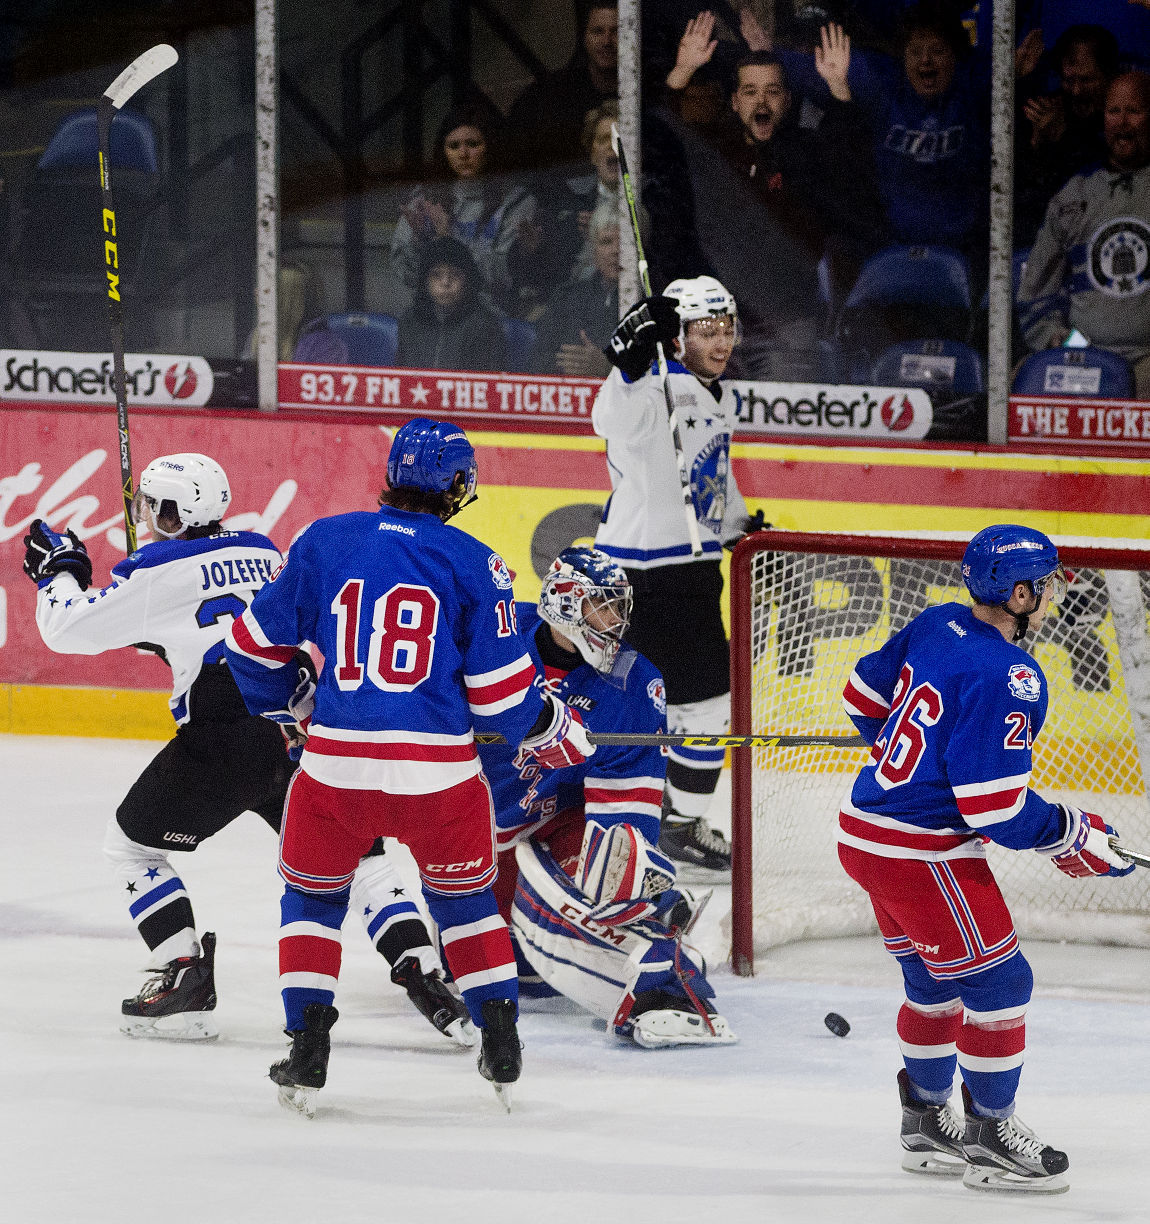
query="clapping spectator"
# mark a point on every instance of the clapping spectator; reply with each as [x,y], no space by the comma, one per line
[448,326]
[466,199]
[1089,268]
[1061,133]
[546,121]
[579,319]
[932,145]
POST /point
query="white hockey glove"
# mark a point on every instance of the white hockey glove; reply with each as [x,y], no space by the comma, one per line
[621,873]
[562,742]
[1089,853]
[296,715]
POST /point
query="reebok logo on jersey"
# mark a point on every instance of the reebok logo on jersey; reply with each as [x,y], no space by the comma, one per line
[956,627]
[396,527]
[1024,682]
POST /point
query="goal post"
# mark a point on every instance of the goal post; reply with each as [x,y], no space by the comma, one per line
[804,608]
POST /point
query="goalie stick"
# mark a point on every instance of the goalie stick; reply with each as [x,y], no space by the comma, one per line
[641,740]
[138,73]
[672,417]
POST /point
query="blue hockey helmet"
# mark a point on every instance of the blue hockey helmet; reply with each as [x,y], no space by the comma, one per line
[586,595]
[434,457]
[1005,554]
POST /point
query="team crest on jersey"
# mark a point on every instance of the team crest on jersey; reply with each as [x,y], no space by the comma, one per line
[1024,682]
[1118,257]
[658,695]
[709,482]
[499,572]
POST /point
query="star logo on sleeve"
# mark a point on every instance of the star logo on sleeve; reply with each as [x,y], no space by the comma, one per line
[690,422]
[152,873]
[398,892]
[131,886]
[366,910]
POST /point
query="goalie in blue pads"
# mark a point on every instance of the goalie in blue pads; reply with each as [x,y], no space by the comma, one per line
[591,899]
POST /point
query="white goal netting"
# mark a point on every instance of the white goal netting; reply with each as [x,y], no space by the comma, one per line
[809,616]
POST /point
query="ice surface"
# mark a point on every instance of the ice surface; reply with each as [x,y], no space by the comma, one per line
[793,1124]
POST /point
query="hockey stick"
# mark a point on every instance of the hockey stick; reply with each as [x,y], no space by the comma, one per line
[1131,856]
[672,417]
[640,740]
[137,74]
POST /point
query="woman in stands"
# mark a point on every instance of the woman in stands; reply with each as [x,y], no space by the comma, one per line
[467,199]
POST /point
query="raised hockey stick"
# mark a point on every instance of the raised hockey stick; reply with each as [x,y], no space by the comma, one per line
[640,740]
[672,416]
[138,73]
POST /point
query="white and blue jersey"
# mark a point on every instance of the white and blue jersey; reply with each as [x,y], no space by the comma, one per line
[178,595]
[619,784]
[643,523]
[951,709]
[414,620]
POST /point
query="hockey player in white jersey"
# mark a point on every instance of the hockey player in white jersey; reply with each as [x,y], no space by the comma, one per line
[677,618]
[177,596]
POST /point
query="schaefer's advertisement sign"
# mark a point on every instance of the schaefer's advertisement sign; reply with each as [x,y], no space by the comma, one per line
[1073,421]
[806,410]
[153,378]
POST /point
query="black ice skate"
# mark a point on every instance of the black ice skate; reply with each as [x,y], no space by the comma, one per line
[500,1057]
[175,1002]
[1003,1154]
[430,994]
[695,843]
[304,1072]
[931,1134]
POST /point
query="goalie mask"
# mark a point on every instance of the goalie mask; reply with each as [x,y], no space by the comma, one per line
[587,597]
[701,297]
[195,485]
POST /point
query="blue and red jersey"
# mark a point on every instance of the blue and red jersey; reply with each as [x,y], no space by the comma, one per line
[952,710]
[414,619]
[619,784]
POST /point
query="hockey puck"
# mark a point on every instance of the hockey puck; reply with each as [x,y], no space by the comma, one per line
[837,1024]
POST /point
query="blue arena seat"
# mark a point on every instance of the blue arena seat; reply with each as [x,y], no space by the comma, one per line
[1075,371]
[520,338]
[75,144]
[349,339]
[938,366]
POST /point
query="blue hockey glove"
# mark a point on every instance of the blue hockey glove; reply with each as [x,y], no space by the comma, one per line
[48,553]
[632,345]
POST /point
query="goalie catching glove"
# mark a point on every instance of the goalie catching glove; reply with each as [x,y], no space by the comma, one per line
[1089,852]
[621,873]
[562,741]
[48,553]
[632,344]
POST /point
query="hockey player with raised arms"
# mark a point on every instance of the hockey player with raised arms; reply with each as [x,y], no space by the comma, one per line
[592,901]
[952,705]
[677,617]
[177,595]
[414,621]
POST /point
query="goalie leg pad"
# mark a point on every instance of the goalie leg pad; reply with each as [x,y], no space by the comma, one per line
[601,967]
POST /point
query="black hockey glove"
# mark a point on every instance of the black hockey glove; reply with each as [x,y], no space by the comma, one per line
[48,553]
[753,522]
[632,345]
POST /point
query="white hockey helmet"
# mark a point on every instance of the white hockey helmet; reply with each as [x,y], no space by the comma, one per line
[701,297]
[196,485]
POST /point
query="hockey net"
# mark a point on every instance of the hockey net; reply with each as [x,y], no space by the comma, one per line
[804,609]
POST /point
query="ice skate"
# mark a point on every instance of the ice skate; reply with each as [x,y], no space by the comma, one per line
[304,1072]
[695,844]
[1003,1154]
[671,1026]
[931,1134]
[175,1002]
[433,999]
[500,1057]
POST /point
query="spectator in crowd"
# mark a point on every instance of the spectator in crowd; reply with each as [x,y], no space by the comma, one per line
[799,193]
[577,324]
[731,30]
[1089,268]
[931,138]
[448,326]
[1061,133]
[469,200]
[546,121]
